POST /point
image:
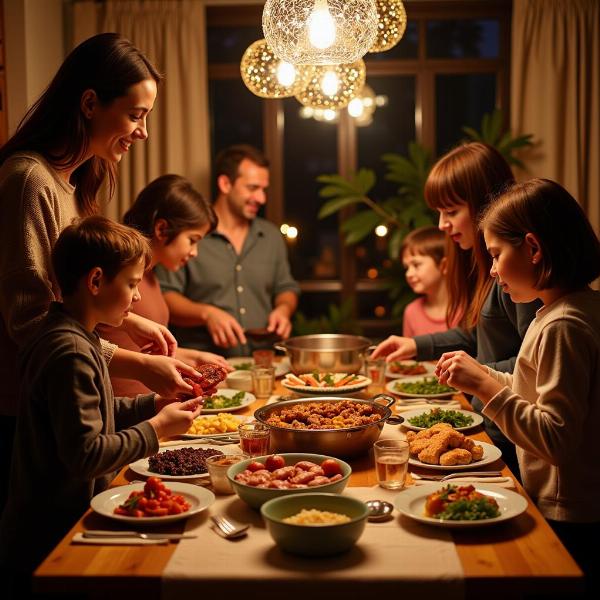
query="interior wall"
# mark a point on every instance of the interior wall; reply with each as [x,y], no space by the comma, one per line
[34,33]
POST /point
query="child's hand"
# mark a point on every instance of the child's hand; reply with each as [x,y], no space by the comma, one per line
[175,417]
[463,372]
[396,348]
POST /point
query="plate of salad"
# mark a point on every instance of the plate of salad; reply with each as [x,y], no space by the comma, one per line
[420,387]
[325,383]
[461,420]
[227,400]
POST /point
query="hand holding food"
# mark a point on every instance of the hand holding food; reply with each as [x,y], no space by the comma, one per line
[463,371]
[175,417]
[156,500]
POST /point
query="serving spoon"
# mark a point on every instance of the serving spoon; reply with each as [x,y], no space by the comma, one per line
[379,510]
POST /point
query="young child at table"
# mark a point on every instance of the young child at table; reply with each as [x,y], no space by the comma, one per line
[423,258]
[173,216]
[543,246]
[73,435]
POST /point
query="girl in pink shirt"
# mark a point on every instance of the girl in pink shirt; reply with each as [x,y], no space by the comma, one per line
[423,258]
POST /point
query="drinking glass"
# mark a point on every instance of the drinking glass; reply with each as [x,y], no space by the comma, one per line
[218,466]
[263,381]
[254,438]
[375,371]
[263,358]
[391,462]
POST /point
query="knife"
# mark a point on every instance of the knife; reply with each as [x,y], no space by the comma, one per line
[98,533]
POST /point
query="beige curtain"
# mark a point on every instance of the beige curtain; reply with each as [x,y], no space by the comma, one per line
[555,93]
[172,34]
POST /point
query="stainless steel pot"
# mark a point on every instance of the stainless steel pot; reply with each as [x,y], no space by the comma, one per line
[341,443]
[329,352]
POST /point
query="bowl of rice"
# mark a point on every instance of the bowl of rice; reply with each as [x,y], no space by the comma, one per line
[315,524]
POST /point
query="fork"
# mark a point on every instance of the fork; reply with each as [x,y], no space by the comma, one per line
[458,474]
[227,529]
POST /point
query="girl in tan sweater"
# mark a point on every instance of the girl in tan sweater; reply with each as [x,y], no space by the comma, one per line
[543,246]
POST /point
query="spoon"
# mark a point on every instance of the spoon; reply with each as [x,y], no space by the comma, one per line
[379,510]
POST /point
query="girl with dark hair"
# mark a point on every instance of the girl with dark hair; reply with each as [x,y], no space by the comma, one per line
[174,217]
[460,186]
[543,247]
[67,145]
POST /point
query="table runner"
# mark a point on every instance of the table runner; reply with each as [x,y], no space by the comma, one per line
[396,556]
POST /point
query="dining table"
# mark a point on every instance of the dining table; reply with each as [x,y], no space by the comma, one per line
[519,558]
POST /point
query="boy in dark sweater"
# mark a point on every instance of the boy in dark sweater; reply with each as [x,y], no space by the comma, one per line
[73,435]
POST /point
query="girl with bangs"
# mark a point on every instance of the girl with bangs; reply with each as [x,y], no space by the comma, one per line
[543,247]
[460,186]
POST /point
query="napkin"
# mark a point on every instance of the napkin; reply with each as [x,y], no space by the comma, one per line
[505,482]
[124,541]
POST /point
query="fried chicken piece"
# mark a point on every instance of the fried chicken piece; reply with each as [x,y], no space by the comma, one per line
[437,446]
[433,430]
[417,446]
[455,438]
[477,452]
[457,456]
[467,444]
[410,436]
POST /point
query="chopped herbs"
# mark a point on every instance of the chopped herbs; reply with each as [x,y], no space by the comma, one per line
[437,415]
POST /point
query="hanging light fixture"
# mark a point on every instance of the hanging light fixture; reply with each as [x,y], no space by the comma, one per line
[362,107]
[320,32]
[391,25]
[267,76]
[333,86]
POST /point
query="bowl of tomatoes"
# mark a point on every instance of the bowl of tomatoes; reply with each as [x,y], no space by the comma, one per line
[262,478]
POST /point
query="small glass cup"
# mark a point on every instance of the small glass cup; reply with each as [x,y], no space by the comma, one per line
[263,381]
[217,466]
[254,438]
[391,463]
[375,371]
[263,358]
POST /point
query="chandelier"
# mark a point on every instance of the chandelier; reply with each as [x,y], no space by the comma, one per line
[267,76]
[391,24]
[320,32]
[333,86]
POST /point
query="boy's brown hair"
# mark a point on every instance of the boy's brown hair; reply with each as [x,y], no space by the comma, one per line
[96,242]
[426,241]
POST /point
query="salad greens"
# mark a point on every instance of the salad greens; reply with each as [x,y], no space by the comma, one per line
[437,415]
[218,401]
[424,387]
[469,510]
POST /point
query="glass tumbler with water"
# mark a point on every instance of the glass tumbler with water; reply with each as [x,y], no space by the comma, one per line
[391,462]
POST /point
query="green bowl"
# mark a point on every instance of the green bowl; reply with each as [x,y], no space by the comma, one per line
[315,540]
[256,497]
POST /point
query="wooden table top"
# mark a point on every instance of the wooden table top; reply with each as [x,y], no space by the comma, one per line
[520,557]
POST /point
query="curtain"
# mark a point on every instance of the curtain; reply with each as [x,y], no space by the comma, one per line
[555,93]
[171,33]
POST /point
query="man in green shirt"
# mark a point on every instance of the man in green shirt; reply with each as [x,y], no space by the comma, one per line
[241,277]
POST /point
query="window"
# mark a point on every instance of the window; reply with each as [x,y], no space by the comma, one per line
[450,68]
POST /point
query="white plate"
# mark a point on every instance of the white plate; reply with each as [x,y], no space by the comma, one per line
[429,366]
[411,502]
[246,400]
[106,502]
[194,436]
[281,367]
[409,414]
[391,387]
[142,466]
[327,390]
[491,453]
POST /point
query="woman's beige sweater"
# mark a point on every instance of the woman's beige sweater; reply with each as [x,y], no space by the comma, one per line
[551,408]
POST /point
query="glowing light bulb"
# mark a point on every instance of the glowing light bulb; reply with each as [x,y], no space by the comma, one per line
[330,83]
[292,233]
[284,228]
[381,230]
[306,112]
[329,114]
[321,26]
[356,107]
[286,74]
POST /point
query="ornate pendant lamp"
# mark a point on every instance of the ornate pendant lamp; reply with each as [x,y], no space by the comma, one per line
[320,32]
[391,24]
[362,107]
[333,86]
[267,76]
